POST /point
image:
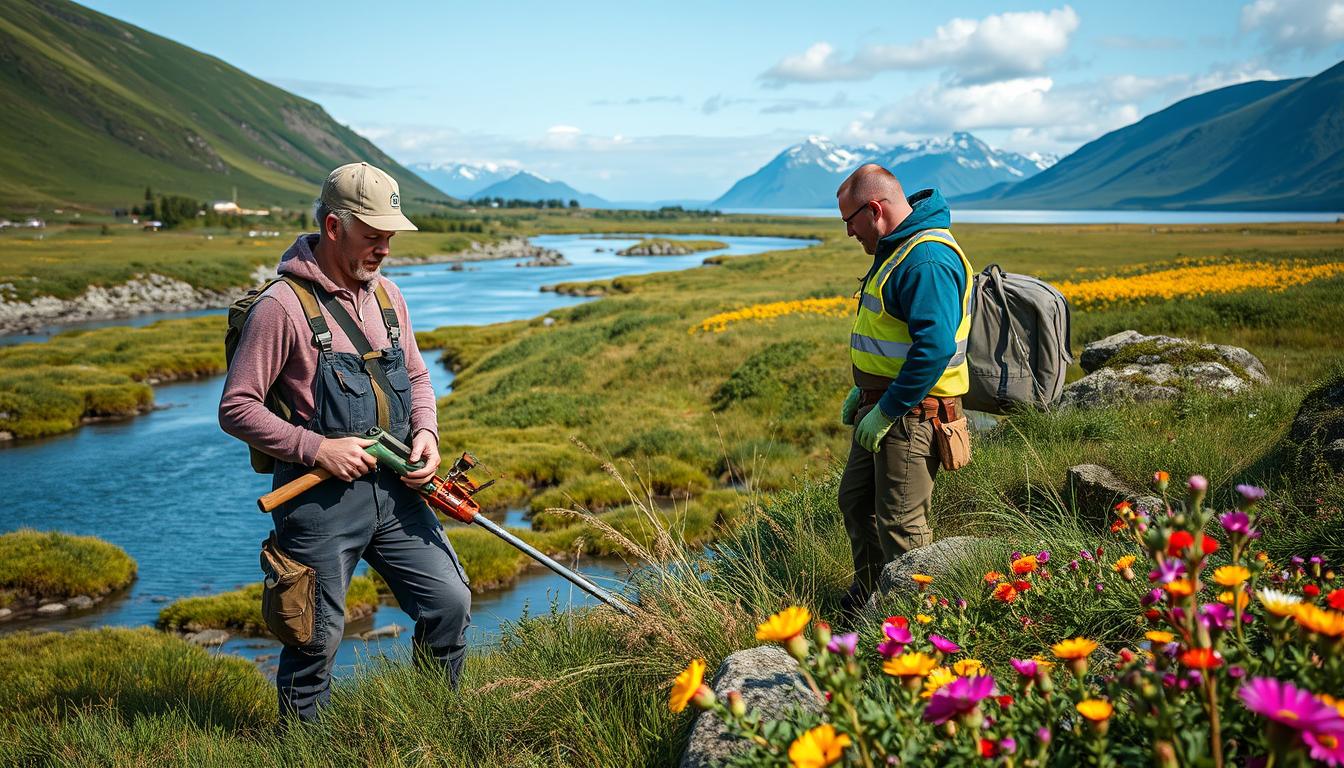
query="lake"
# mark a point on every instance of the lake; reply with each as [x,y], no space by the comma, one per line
[177,493]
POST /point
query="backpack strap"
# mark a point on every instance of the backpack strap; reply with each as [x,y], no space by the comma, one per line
[389,312]
[374,366]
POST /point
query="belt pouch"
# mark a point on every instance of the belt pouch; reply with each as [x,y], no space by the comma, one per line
[952,440]
[288,596]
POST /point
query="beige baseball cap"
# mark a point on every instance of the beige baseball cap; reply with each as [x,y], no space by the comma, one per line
[369,193]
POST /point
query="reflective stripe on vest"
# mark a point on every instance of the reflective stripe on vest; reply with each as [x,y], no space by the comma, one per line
[880,342]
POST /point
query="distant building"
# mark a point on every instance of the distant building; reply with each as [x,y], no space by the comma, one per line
[153,226]
[225,206]
[35,224]
[6,223]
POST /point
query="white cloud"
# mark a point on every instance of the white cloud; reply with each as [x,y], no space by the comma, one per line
[997,47]
[1035,111]
[616,166]
[1221,77]
[1307,26]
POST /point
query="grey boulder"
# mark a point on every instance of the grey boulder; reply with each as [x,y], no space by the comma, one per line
[208,638]
[1092,491]
[1131,367]
[769,682]
[936,560]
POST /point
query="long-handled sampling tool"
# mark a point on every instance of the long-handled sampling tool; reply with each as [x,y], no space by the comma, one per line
[450,494]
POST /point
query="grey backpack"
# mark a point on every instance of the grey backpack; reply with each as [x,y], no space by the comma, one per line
[1018,352]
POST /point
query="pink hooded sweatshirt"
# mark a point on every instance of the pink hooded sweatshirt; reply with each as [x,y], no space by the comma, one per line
[277,349]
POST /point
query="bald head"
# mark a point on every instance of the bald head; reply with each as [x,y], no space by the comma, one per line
[870,182]
[872,204]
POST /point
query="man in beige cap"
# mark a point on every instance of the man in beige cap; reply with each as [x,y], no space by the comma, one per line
[332,343]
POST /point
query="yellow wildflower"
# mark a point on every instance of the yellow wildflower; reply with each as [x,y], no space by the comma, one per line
[1313,618]
[1231,575]
[923,618]
[1158,637]
[917,664]
[835,306]
[1095,710]
[921,579]
[1238,600]
[818,748]
[686,684]
[1077,648]
[1181,588]
[784,625]
[1123,563]
[969,668]
[937,679]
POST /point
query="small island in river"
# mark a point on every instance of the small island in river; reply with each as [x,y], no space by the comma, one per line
[658,246]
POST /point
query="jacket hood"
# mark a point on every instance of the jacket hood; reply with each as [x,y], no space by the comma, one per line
[300,262]
[929,211]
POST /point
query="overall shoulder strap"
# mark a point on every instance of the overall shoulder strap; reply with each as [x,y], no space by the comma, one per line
[316,322]
[389,312]
[381,386]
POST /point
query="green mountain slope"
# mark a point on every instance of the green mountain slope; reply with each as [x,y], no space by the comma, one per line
[1256,146]
[97,109]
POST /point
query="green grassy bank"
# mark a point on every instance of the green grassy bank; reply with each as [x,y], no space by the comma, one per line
[49,565]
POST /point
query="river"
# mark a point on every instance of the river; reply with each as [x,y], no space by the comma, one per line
[176,493]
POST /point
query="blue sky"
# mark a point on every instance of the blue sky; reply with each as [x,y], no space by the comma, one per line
[639,101]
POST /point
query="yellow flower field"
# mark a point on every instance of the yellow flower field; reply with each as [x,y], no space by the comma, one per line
[1193,281]
[835,306]
[1183,282]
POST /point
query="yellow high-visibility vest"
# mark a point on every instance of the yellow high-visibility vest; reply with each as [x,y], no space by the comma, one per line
[880,340]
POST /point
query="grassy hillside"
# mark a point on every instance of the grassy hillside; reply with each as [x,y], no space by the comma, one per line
[98,109]
[1254,146]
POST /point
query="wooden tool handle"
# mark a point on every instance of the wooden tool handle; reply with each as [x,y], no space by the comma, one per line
[291,489]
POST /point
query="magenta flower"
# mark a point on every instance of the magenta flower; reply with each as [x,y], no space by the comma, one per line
[1327,748]
[1168,571]
[1024,667]
[1286,704]
[1043,735]
[1043,557]
[1250,494]
[958,697]
[1236,522]
[1153,597]
[1197,483]
[1008,745]
[845,644]
[1216,615]
[897,639]
[943,644]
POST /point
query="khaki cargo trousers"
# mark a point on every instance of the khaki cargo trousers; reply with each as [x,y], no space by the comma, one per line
[885,496]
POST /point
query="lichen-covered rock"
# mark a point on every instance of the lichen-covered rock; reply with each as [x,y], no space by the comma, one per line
[1317,433]
[1131,367]
[936,560]
[769,682]
[1092,491]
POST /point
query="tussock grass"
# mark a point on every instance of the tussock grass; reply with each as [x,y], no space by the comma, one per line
[57,565]
[240,610]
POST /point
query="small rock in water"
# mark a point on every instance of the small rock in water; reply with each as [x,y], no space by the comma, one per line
[391,630]
[81,602]
[51,609]
[5,613]
[159,599]
[208,637]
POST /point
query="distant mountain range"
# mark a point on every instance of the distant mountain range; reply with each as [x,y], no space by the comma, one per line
[525,185]
[96,109]
[1261,146]
[462,180]
[806,175]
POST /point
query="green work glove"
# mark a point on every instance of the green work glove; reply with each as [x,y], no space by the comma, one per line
[850,407]
[872,428]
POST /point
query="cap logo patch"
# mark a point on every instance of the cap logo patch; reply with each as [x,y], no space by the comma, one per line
[396,200]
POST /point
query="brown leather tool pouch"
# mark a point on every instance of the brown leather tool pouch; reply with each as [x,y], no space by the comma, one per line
[288,596]
[953,441]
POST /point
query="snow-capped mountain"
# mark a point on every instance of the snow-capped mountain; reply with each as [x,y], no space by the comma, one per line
[525,185]
[806,174]
[462,180]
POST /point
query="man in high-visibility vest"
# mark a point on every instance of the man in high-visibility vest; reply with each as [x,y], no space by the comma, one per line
[908,355]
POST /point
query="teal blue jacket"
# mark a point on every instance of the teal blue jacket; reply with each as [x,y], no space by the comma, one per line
[926,292]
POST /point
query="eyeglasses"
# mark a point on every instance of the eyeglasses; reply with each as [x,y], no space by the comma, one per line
[862,208]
